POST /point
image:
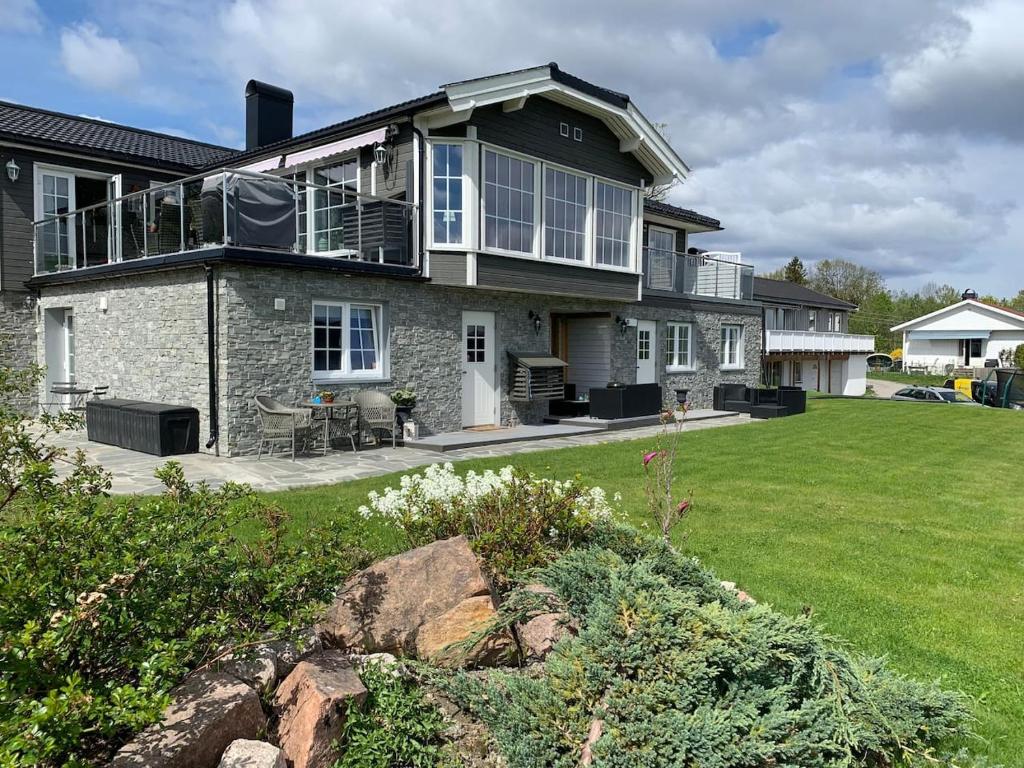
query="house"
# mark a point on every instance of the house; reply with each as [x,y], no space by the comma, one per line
[56,163]
[452,244]
[968,334]
[807,342]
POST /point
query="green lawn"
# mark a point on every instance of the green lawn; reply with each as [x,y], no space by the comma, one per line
[918,379]
[901,526]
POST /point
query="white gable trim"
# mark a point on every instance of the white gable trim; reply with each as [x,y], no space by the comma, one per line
[970,303]
[635,132]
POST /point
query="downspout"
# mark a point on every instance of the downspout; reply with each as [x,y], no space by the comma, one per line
[419,193]
[764,347]
[211,358]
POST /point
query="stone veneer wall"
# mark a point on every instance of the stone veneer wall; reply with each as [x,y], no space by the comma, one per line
[17,338]
[150,343]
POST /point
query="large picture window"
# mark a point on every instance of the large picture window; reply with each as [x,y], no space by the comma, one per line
[326,207]
[447,193]
[565,215]
[730,354]
[346,340]
[679,346]
[508,202]
[613,223]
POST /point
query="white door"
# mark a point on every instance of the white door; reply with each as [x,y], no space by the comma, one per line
[646,331]
[55,243]
[479,369]
[114,219]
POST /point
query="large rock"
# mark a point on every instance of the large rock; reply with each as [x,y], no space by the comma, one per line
[311,704]
[208,712]
[256,667]
[247,753]
[436,637]
[381,608]
[538,635]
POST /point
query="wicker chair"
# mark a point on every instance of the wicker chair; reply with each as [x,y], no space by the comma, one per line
[377,414]
[279,422]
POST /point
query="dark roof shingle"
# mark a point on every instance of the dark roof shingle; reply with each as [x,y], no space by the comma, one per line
[683,214]
[782,291]
[36,126]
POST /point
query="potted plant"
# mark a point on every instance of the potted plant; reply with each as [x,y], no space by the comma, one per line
[326,396]
[405,401]
[681,395]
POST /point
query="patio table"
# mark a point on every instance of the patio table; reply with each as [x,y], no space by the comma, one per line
[76,395]
[328,411]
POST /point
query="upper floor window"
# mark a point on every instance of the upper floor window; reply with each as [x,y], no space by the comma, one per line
[613,224]
[346,340]
[565,215]
[812,320]
[835,322]
[324,210]
[730,354]
[679,346]
[508,203]
[447,193]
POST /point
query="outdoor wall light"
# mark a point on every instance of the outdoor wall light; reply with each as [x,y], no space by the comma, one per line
[380,153]
[622,322]
[12,170]
[536,320]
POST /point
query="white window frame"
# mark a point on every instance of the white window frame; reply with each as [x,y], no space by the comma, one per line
[673,336]
[728,348]
[663,230]
[796,373]
[305,173]
[588,218]
[469,192]
[812,319]
[538,188]
[630,265]
[346,374]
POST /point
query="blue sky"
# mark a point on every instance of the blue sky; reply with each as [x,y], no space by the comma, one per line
[888,134]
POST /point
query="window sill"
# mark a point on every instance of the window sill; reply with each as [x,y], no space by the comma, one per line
[680,369]
[732,367]
[343,380]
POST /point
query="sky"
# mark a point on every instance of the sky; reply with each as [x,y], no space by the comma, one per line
[886,132]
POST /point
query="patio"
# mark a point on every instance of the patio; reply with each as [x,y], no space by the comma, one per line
[133,471]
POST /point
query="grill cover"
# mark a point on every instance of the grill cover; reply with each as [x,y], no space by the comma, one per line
[536,376]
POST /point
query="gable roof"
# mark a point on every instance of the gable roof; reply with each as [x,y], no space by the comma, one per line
[785,292]
[669,211]
[41,127]
[1012,314]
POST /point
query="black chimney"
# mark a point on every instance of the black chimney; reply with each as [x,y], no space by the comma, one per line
[268,114]
[969,294]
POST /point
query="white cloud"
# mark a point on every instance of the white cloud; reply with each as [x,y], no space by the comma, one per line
[970,79]
[95,60]
[22,16]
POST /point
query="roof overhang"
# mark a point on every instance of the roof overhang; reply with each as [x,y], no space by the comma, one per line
[635,132]
[949,334]
[675,222]
[980,305]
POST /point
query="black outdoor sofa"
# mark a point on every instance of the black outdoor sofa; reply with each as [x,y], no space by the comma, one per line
[760,403]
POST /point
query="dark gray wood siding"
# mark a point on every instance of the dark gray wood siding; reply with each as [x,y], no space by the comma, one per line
[396,179]
[542,277]
[448,268]
[17,205]
[534,130]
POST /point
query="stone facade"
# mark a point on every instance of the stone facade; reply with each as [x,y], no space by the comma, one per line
[17,337]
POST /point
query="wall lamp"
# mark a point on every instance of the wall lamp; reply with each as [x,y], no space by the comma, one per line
[622,322]
[536,320]
[12,170]
[381,153]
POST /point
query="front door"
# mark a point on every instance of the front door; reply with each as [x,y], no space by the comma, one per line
[646,331]
[479,369]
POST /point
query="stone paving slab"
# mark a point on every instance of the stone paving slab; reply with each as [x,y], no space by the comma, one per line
[133,472]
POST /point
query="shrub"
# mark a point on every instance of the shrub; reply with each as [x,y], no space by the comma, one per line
[514,520]
[106,603]
[669,671]
[1018,357]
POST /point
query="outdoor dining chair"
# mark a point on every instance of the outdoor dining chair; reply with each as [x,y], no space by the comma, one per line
[277,421]
[377,414]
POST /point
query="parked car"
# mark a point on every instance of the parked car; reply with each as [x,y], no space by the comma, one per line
[983,392]
[933,395]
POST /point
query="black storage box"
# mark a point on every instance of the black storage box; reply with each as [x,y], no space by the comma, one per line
[104,422]
[625,402]
[161,430]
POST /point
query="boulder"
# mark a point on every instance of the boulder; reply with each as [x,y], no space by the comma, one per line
[438,634]
[247,753]
[311,704]
[538,635]
[255,666]
[290,652]
[207,712]
[381,608]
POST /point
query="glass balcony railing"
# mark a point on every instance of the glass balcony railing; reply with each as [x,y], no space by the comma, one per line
[698,275]
[227,208]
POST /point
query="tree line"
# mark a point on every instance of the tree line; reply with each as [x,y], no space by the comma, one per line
[879,307]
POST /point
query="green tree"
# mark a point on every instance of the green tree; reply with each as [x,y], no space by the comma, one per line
[846,280]
[795,272]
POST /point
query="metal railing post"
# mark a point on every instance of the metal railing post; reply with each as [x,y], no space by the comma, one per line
[145,226]
[359,228]
[298,222]
[80,249]
[181,217]
[224,209]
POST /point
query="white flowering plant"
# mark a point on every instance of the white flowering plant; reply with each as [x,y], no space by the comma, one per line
[514,520]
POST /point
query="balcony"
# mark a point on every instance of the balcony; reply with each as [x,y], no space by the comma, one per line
[224,208]
[815,341]
[697,275]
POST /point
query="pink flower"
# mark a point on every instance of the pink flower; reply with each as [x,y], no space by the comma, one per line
[649,457]
[683,506]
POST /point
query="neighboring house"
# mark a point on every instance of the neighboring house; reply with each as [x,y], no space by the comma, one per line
[967,334]
[807,342]
[55,163]
[432,245]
